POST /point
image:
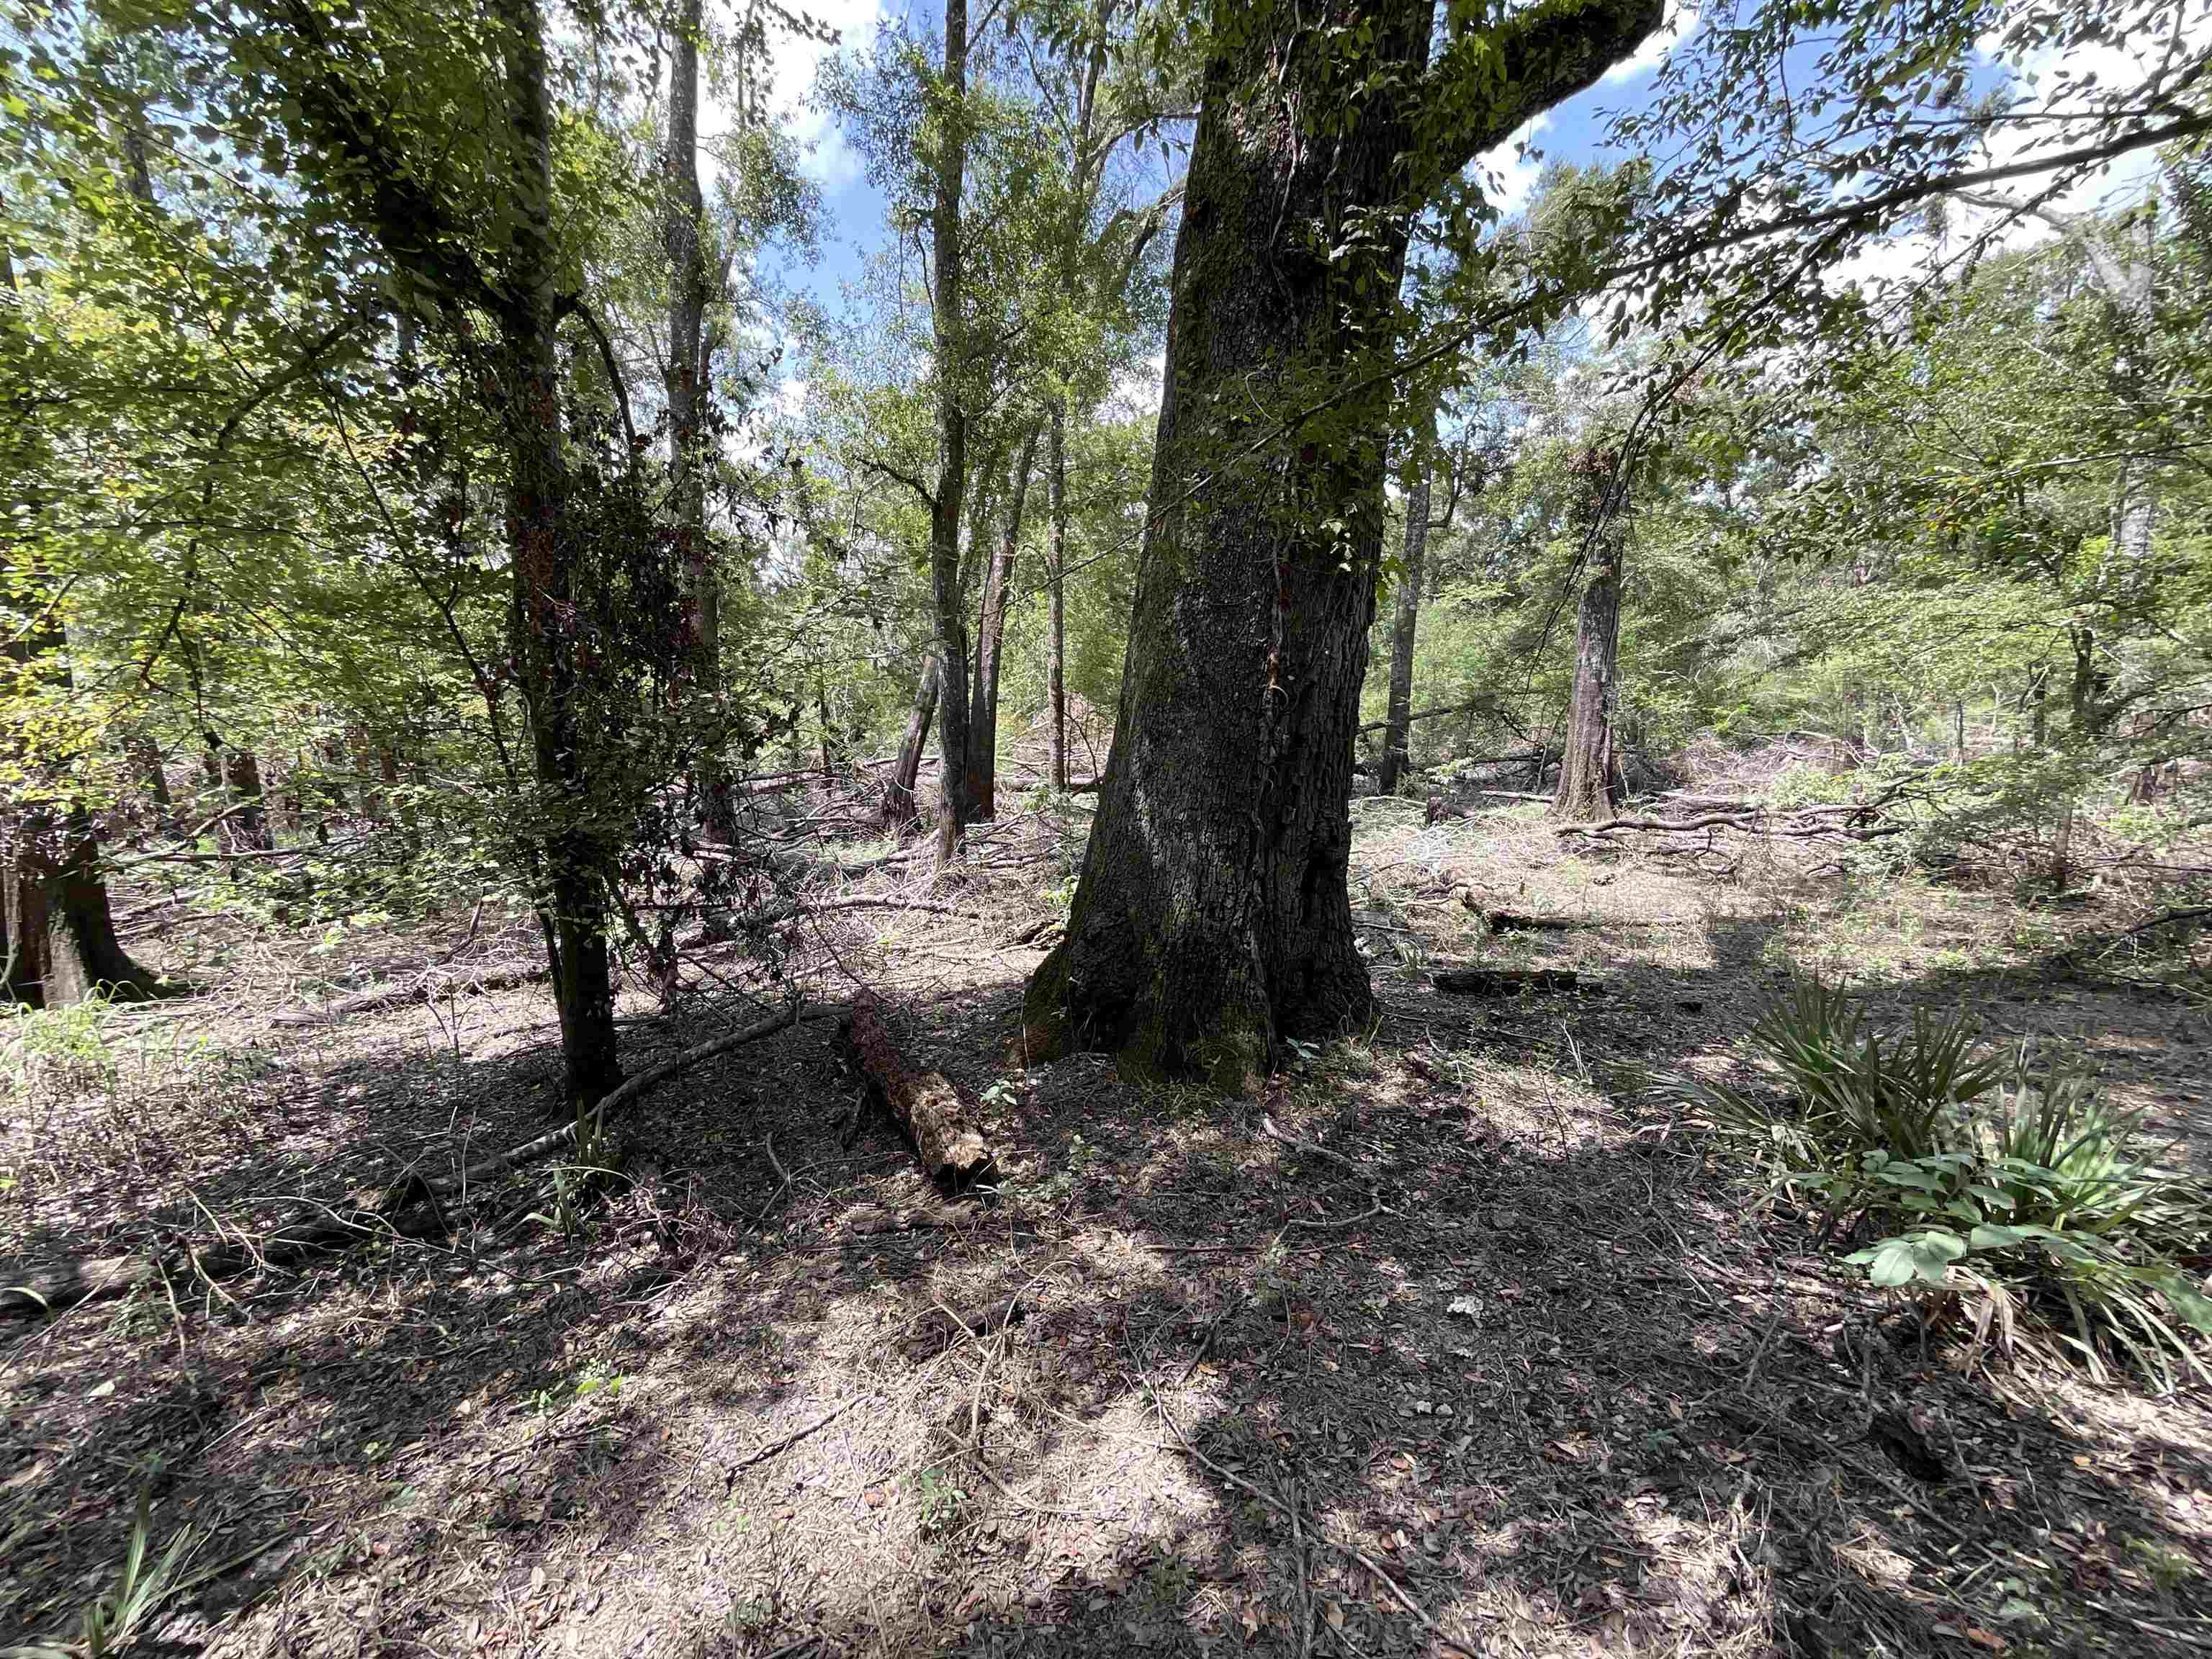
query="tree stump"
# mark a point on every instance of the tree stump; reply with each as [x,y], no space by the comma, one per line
[924,1103]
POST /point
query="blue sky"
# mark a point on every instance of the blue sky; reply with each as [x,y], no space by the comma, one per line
[853,217]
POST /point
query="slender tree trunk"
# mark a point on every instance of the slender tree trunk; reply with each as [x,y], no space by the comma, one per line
[899,807]
[1397,732]
[1586,764]
[576,869]
[684,238]
[1055,666]
[990,631]
[952,433]
[2085,726]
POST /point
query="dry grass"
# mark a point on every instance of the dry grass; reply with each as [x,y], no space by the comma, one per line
[1507,1367]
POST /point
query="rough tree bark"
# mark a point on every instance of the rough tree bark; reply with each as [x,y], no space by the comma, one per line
[899,794]
[1397,732]
[541,538]
[1213,917]
[990,629]
[1587,763]
[683,211]
[1055,665]
[946,302]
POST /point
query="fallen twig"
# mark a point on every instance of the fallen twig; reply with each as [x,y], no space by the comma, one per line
[753,1458]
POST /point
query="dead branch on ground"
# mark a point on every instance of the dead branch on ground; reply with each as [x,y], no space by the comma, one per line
[924,1103]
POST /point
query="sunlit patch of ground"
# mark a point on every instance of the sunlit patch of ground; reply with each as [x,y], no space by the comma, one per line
[1478,1349]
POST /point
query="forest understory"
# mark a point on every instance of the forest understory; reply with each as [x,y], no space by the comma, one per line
[1460,1339]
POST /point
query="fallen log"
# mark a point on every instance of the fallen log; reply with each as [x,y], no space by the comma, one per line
[429,988]
[1505,982]
[1513,921]
[410,1207]
[924,1104]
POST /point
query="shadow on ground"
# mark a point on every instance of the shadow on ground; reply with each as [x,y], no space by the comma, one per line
[1486,1318]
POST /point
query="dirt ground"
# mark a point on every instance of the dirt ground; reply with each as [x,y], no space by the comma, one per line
[1457,1341]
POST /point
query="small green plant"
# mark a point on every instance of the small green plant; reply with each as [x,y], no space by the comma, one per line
[577,1180]
[118,1616]
[2026,1194]
[1850,1091]
[64,1048]
[939,1501]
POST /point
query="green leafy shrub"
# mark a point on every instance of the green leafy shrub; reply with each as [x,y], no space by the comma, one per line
[1983,1180]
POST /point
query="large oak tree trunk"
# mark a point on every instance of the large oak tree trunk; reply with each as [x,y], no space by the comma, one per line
[1397,730]
[1213,917]
[58,942]
[990,629]
[1055,669]
[1587,760]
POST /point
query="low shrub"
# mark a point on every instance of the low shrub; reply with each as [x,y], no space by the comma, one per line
[1983,1180]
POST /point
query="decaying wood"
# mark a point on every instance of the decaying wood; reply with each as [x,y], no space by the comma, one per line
[412,1206]
[924,1103]
[1504,982]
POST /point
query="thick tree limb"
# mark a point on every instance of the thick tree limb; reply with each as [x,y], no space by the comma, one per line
[924,1103]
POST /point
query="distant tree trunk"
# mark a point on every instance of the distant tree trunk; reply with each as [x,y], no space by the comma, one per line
[2085,726]
[1056,668]
[1959,729]
[1213,918]
[1397,732]
[990,629]
[246,828]
[899,807]
[684,238]
[1586,764]
[946,302]
[145,761]
[833,743]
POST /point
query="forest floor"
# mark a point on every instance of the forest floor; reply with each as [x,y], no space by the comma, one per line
[1514,1363]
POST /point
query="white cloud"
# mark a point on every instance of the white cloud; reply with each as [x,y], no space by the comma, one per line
[1655,46]
[1508,178]
[830,161]
[2036,77]
[1137,391]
